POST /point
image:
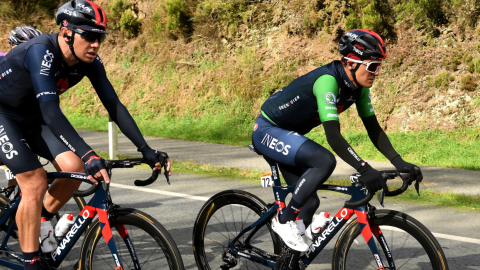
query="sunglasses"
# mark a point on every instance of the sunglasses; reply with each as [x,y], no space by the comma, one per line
[372,67]
[90,36]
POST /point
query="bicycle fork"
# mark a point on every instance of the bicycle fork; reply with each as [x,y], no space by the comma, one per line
[369,230]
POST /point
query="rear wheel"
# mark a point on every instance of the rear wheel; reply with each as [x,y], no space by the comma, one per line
[411,245]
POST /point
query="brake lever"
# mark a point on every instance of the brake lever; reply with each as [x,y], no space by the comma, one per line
[165,172]
[417,187]
[380,197]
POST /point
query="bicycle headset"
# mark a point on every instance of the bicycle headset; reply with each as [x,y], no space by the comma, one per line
[82,15]
[360,44]
[22,34]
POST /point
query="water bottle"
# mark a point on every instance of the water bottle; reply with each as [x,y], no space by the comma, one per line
[47,240]
[320,222]
[63,225]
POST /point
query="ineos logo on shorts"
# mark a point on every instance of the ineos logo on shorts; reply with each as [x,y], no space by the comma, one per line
[275,144]
[6,145]
[46,63]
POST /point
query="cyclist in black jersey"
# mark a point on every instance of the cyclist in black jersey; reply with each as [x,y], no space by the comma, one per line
[32,76]
[315,98]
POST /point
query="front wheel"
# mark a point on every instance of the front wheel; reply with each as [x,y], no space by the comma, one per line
[411,245]
[153,247]
[220,220]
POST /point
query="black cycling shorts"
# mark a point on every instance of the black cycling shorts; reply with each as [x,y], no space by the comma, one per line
[22,141]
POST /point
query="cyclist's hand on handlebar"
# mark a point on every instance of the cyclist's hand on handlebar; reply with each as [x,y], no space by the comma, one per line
[95,168]
[405,167]
[152,156]
[372,179]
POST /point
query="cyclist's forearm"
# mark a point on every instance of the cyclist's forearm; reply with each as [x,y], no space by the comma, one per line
[340,146]
[379,137]
[120,115]
[62,129]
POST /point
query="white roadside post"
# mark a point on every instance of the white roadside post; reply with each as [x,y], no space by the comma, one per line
[112,139]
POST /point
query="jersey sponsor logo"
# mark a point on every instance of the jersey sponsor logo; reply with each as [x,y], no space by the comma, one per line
[98,58]
[294,133]
[66,142]
[371,110]
[369,96]
[330,108]
[330,98]
[286,105]
[6,145]
[46,63]
[255,127]
[353,154]
[5,73]
[332,115]
[45,93]
[275,144]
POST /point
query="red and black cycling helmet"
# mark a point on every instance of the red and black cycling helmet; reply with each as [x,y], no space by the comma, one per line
[362,44]
[83,14]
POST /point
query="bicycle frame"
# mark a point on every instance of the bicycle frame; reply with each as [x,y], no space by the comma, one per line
[338,221]
[99,204]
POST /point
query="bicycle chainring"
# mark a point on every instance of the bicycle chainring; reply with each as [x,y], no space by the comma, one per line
[284,261]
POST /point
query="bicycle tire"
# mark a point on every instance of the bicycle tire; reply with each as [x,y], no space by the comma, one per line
[154,246]
[411,244]
[211,234]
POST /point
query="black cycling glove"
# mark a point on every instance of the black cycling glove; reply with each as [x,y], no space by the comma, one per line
[405,167]
[152,155]
[372,179]
[93,163]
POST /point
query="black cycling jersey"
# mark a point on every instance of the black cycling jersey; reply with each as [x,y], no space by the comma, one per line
[316,97]
[34,74]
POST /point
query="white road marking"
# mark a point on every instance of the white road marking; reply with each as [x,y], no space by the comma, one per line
[199,198]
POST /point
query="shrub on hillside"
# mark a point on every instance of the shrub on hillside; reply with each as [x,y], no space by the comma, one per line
[423,14]
[28,11]
[130,24]
[467,83]
[125,15]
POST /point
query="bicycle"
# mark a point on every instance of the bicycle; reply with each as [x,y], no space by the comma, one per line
[227,236]
[138,241]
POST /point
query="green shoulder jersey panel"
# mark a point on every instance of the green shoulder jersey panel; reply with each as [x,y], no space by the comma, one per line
[325,90]
[364,104]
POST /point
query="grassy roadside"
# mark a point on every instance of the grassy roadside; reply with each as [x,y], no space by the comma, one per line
[454,149]
[429,196]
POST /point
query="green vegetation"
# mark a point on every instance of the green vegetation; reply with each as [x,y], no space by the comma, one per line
[454,149]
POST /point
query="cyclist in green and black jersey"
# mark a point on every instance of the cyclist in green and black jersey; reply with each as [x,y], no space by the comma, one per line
[315,98]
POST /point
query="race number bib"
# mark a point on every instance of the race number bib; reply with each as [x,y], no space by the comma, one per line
[266,180]
[8,174]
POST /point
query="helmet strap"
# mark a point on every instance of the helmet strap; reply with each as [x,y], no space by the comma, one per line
[70,45]
[353,71]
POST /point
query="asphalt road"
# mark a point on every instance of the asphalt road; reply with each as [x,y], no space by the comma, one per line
[177,205]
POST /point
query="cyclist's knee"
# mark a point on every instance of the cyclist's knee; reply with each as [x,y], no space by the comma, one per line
[69,162]
[33,183]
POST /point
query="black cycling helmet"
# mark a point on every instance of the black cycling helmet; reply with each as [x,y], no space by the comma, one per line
[22,34]
[83,14]
[362,44]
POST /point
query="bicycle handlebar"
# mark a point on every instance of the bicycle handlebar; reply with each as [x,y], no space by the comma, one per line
[129,163]
[387,175]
